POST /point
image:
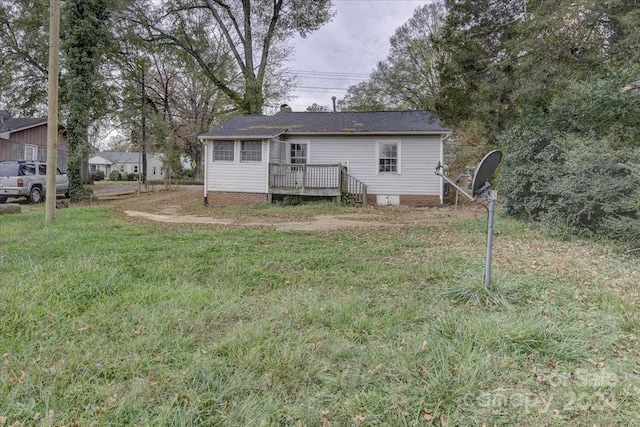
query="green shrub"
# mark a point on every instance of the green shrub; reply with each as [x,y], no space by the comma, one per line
[291,200]
[98,176]
[115,176]
[576,167]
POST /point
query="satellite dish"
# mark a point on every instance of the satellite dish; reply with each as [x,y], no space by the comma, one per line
[484,172]
[481,187]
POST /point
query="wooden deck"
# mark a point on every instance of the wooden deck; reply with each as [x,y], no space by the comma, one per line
[315,180]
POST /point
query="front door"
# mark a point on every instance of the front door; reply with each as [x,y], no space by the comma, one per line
[298,160]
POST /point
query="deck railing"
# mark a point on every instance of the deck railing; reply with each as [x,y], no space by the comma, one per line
[353,188]
[303,176]
[316,179]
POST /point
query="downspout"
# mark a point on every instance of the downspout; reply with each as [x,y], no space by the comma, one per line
[206,144]
[442,139]
[268,156]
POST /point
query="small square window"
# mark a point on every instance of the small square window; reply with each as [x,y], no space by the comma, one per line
[251,151]
[223,151]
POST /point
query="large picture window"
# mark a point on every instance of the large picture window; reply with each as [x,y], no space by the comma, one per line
[388,157]
[251,151]
[223,151]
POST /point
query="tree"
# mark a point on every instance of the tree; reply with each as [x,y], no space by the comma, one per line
[165,101]
[315,108]
[364,96]
[475,62]
[86,39]
[407,78]
[542,80]
[23,56]
[409,74]
[252,38]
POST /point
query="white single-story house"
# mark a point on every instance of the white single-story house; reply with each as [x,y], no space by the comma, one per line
[126,163]
[383,157]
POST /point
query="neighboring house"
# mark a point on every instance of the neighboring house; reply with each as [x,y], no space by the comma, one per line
[384,158]
[26,139]
[126,163]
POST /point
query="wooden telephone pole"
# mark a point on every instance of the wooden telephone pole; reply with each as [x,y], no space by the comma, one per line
[52,115]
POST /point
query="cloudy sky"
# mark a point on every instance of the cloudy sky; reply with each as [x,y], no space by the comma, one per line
[346,50]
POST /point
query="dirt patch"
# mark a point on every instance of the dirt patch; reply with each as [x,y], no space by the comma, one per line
[176,205]
[316,223]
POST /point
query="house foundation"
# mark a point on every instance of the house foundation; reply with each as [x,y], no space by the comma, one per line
[417,201]
[227,198]
[409,200]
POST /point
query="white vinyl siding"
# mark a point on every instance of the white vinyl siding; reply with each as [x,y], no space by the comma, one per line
[237,176]
[418,158]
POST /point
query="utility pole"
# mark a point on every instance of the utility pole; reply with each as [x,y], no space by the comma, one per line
[143,110]
[52,114]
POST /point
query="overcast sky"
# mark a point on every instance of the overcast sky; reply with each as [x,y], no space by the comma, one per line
[346,50]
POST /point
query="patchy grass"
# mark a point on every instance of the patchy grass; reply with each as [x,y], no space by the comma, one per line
[113,323]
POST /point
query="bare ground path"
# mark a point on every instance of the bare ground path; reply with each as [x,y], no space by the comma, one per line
[184,205]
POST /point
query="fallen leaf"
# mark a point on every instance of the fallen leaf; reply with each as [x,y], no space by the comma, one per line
[426,415]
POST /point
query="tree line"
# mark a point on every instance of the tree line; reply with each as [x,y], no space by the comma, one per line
[162,71]
[554,84]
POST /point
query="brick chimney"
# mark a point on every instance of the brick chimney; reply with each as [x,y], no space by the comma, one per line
[284,108]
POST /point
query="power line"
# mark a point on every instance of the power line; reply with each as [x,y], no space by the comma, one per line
[341,79]
[321,88]
[327,73]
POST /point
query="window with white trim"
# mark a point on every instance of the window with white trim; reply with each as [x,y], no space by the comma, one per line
[251,151]
[298,153]
[388,157]
[223,151]
[30,152]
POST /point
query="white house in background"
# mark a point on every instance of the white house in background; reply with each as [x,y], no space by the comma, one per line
[126,163]
[384,158]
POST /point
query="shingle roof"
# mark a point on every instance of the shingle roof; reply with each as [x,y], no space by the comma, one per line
[9,123]
[376,122]
[122,157]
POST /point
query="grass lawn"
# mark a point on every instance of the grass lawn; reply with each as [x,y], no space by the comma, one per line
[109,323]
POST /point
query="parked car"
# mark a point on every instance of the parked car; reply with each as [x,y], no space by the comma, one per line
[28,179]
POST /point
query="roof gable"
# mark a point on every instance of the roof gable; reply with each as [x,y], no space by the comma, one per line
[112,157]
[361,122]
[99,160]
[9,125]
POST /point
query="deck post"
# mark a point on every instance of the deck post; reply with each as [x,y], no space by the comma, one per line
[339,198]
[304,176]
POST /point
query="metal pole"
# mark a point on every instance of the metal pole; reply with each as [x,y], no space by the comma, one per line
[52,115]
[492,195]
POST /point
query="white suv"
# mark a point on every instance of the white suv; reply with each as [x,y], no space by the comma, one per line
[28,179]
